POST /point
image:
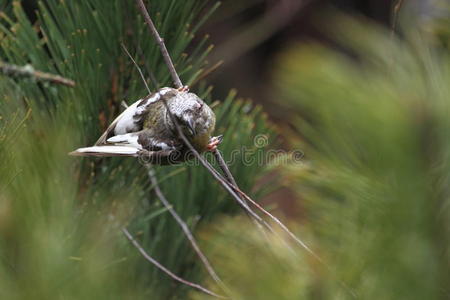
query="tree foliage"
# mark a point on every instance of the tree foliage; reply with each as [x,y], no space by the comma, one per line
[61,216]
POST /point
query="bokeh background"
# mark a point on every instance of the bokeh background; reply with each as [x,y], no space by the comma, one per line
[361,88]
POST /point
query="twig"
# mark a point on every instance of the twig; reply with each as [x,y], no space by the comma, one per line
[276,220]
[160,42]
[164,269]
[229,177]
[234,185]
[137,66]
[29,71]
[223,165]
[183,225]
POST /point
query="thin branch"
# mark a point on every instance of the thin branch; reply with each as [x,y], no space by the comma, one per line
[164,269]
[160,42]
[276,220]
[183,225]
[137,67]
[234,185]
[223,165]
[29,71]
[229,177]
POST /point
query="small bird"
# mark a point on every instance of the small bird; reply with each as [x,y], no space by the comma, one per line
[147,130]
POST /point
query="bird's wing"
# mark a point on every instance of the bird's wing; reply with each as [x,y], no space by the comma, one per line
[106,151]
[131,119]
[129,144]
[118,145]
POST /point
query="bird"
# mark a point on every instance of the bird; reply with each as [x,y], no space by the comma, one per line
[148,129]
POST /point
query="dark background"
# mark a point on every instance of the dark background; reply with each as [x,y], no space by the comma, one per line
[249,70]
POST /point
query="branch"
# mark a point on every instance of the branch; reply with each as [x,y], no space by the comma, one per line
[164,269]
[29,71]
[229,177]
[183,226]
[160,42]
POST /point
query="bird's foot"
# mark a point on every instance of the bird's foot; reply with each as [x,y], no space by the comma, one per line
[214,142]
[184,88]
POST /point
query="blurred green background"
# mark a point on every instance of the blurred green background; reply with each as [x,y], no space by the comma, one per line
[367,104]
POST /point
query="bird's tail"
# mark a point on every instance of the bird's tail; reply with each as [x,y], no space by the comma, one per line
[105,151]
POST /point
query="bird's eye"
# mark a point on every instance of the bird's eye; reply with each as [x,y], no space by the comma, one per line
[199,105]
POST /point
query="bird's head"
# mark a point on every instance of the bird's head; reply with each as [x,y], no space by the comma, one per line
[195,117]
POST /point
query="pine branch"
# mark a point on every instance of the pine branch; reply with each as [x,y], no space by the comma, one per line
[28,71]
[137,66]
[161,44]
[183,226]
[164,269]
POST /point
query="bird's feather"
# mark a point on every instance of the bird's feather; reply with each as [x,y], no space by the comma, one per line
[106,151]
[130,120]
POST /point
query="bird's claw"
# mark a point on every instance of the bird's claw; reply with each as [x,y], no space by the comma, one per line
[184,88]
[214,142]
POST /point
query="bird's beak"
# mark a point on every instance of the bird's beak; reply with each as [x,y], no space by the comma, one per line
[191,126]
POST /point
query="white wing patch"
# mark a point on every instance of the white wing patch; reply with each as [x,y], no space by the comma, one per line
[126,123]
[141,109]
[130,139]
[106,151]
[129,119]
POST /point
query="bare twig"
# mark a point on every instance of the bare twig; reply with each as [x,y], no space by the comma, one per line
[223,165]
[160,42]
[183,225]
[229,177]
[137,67]
[164,269]
[29,71]
[277,221]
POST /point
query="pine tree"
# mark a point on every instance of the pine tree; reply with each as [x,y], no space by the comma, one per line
[61,216]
